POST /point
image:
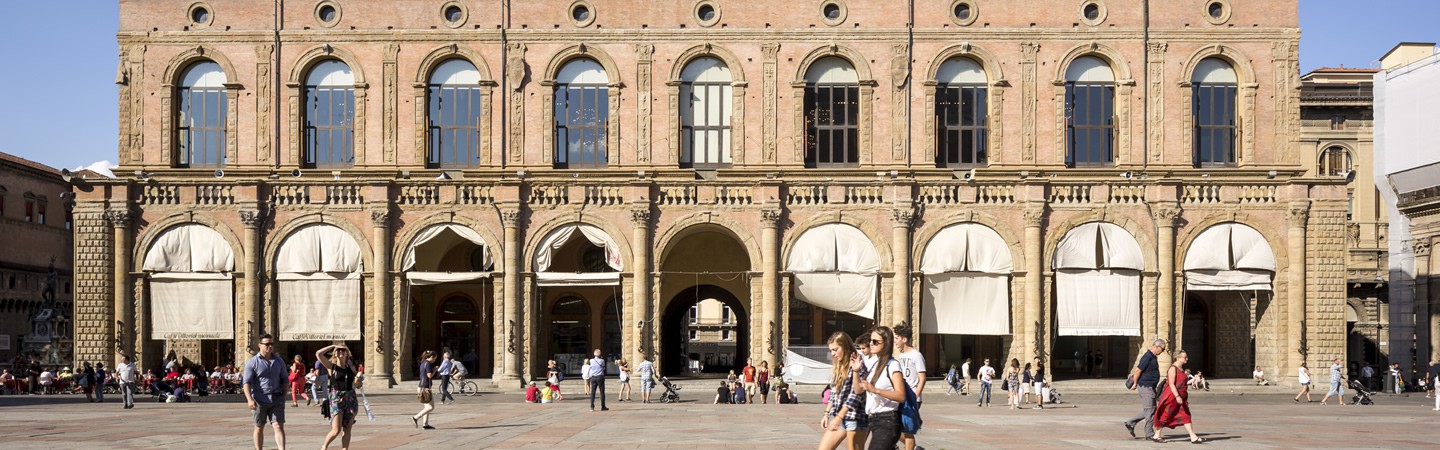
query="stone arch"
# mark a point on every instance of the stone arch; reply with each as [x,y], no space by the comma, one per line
[1138,230]
[856,59]
[876,235]
[737,71]
[540,231]
[406,236]
[1327,145]
[1229,54]
[155,229]
[583,51]
[1192,230]
[316,55]
[994,74]
[178,63]
[272,248]
[1117,61]
[702,221]
[932,227]
[445,53]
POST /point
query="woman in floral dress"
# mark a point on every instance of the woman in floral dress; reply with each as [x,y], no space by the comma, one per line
[343,383]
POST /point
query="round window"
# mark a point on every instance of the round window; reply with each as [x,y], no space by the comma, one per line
[706,13]
[832,11]
[581,13]
[453,13]
[1216,10]
[962,11]
[328,13]
[1092,11]
[200,15]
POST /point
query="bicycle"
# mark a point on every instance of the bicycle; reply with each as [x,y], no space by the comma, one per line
[468,388]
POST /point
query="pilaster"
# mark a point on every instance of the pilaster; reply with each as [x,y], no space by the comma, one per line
[247,308]
[121,220]
[770,279]
[901,220]
[509,327]
[1034,281]
[1298,213]
[640,215]
[380,299]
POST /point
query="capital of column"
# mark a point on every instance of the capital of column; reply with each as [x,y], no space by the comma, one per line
[1299,214]
[510,217]
[902,217]
[640,214]
[1034,215]
[1165,215]
[119,217]
[252,218]
[380,218]
[770,217]
[1421,247]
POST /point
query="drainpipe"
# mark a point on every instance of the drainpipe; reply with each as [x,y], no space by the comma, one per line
[275,87]
[504,83]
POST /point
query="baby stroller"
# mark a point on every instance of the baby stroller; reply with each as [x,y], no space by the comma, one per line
[672,392]
[1362,395]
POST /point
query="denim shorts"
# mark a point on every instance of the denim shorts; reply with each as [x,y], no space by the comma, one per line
[851,425]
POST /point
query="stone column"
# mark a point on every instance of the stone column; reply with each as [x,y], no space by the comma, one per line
[900,221]
[769,280]
[121,219]
[1165,216]
[640,240]
[380,300]
[1423,295]
[1034,281]
[1295,287]
[248,306]
[510,324]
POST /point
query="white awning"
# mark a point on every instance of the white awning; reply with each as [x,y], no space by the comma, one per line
[965,303]
[552,279]
[967,247]
[189,248]
[1229,256]
[443,237]
[318,309]
[429,278]
[191,306]
[1097,302]
[1098,245]
[562,235]
[836,267]
[319,248]
[802,370]
[844,292]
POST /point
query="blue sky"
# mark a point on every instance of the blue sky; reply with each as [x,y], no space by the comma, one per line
[58,101]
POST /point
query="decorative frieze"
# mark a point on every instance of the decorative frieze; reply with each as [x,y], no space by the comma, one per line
[770,102]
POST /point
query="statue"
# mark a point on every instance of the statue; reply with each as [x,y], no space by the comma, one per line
[48,292]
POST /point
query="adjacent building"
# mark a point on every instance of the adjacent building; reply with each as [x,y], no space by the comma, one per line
[529,180]
[35,263]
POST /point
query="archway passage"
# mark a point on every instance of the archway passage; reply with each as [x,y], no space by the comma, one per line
[1229,268]
[465,330]
[706,331]
[447,267]
[965,301]
[1097,308]
[577,276]
[191,298]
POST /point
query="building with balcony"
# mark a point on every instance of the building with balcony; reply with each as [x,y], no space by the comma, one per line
[529,180]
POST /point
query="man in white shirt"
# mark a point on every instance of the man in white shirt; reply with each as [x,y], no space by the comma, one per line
[595,377]
[965,372]
[912,366]
[47,381]
[986,374]
[125,376]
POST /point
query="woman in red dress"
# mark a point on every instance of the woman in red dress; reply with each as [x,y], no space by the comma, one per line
[1173,410]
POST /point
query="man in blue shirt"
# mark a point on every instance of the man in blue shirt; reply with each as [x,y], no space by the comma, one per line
[1146,375]
[447,365]
[596,367]
[265,379]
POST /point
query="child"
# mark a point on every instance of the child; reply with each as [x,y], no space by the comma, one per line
[532,394]
[548,394]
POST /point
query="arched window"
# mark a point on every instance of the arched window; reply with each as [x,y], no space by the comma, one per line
[202,111]
[1335,162]
[705,105]
[1213,86]
[330,116]
[582,109]
[832,108]
[960,117]
[454,115]
[1089,112]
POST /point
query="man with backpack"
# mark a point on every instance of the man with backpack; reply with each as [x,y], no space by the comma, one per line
[912,364]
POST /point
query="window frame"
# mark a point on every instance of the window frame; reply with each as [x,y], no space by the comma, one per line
[1107,129]
[215,101]
[848,133]
[1327,156]
[972,97]
[598,127]
[310,94]
[435,131]
[720,94]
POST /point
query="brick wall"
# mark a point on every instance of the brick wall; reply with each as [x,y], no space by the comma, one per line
[94,291]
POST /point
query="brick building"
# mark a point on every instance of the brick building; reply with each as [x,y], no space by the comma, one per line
[1018,178]
[35,223]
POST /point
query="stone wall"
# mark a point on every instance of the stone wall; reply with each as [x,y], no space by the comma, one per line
[94,285]
[1325,283]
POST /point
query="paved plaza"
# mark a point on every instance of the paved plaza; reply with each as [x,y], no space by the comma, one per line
[502,420]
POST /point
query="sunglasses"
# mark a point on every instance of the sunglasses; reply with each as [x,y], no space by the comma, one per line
[877,342]
[267,343]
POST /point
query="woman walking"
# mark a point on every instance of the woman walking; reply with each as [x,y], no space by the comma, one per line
[1304,373]
[844,419]
[624,367]
[297,381]
[1025,385]
[1012,383]
[882,397]
[1037,378]
[343,407]
[1173,409]
[762,379]
[427,374]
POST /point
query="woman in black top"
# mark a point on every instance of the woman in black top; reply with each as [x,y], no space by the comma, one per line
[343,407]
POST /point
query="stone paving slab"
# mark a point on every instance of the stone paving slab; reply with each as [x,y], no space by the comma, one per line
[503,421]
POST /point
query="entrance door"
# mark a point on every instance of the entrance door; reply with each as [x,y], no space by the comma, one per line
[1196,340]
[570,333]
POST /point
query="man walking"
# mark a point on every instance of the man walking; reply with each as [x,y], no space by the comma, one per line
[748,376]
[447,365]
[596,371]
[1367,376]
[1146,375]
[125,377]
[986,375]
[1337,377]
[912,368]
[965,372]
[264,381]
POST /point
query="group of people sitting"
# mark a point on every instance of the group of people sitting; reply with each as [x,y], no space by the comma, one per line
[733,392]
[550,393]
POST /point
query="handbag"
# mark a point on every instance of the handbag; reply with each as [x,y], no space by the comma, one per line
[426,396]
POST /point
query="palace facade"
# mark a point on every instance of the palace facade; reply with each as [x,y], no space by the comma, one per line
[530,180]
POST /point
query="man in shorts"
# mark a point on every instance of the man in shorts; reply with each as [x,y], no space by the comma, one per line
[912,365]
[646,372]
[1337,383]
[264,381]
[749,375]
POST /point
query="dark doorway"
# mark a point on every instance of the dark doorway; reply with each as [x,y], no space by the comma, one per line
[677,349]
[1196,341]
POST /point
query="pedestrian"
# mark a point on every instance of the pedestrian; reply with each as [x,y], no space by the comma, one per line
[748,373]
[882,390]
[263,380]
[32,375]
[1173,409]
[1434,380]
[1099,364]
[1025,373]
[552,373]
[1037,378]
[125,377]
[297,381]
[596,367]
[762,380]
[1143,379]
[1259,377]
[1304,374]
[99,382]
[1396,379]
[951,385]
[1337,388]
[426,373]
[722,394]
[739,389]
[341,393]
[447,367]
[320,387]
[1367,376]
[1012,383]
[646,372]
[731,378]
[965,372]
[844,419]
[585,376]
[912,364]
[87,381]
[986,374]
[1090,363]
[623,367]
